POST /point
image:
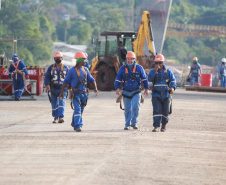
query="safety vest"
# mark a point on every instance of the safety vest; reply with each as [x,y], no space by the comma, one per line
[165,77]
[81,81]
[61,72]
[16,67]
[133,75]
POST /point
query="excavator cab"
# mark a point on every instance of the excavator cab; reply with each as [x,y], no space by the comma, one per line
[111,50]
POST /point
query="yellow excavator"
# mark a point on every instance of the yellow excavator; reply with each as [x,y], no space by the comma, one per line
[111,49]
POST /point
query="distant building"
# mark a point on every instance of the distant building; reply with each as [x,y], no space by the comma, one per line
[66,17]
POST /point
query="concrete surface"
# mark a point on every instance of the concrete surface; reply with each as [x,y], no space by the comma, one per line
[33,150]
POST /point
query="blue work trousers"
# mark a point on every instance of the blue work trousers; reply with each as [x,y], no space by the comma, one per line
[78,109]
[19,86]
[194,80]
[223,81]
[58,106]
[131,108]
[160,110]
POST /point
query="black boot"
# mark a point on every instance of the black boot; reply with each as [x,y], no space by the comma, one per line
[163,128]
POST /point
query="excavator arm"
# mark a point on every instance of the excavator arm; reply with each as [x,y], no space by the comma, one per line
[144,32]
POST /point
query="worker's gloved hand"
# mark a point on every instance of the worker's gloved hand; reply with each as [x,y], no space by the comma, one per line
[96,91]
[48,87]
[146,92]
[219,76]
[118,91]
[27,77]
[171,90]
[61,94]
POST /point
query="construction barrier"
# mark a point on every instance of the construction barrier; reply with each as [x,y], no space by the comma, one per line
[35,73]
[206,80]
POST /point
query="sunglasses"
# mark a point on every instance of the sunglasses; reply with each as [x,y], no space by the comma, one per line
[158,62]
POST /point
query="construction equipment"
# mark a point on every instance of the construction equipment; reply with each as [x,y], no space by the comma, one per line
[110,55]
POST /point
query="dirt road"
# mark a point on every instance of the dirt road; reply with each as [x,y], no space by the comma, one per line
[33,151]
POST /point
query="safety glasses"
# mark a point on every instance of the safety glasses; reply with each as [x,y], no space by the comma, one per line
[158,62]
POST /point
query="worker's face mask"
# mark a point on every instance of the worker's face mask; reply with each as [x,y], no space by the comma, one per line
[58,60]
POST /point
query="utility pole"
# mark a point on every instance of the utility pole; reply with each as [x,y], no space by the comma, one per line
[0,4]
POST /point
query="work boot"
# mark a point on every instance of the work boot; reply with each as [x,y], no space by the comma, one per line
[61,120]
[17,99]
[126,128]
[163,128]
[55,119]
[156,129]
[78,129]
[134,126]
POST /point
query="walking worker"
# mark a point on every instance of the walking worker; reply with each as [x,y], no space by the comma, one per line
[164,84]
[195,72]
[77,79]
[18,72]
[222,72]
[87,61]
[54,78]
[130,77]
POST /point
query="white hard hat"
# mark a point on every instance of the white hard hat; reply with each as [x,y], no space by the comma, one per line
[223,60]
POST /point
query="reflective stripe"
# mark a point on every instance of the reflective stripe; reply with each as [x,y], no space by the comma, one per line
[143,79]
[55,108]
[77,115]
[161,85]
[128,111]
[160,115]
[118,81]
[18,90]
[157,115]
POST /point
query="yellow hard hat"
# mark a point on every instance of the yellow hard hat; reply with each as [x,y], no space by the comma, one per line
[195,59]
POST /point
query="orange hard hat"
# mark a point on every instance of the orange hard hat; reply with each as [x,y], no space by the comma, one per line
[58,55]
[130,54]
[80,54]
[159,58]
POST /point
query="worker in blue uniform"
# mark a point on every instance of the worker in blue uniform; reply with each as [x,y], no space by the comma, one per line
[195,72]
[222,73]
[130,76]
[77,79]
[18,72]
[54,78]
[163,84]
[87,61]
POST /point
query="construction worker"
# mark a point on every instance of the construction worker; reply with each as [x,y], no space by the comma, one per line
[87,61]
[222,72]
[164,84]
[18,72]
[123,50]
[195,72]
[130,77]
[54,78]
[77,79]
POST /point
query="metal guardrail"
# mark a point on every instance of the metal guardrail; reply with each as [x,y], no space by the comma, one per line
[8,82]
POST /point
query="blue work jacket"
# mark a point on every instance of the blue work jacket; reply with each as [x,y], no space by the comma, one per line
[21,67]
[72,78]
[222,69]
[55,78]
[195,69]
[160,84]
[131,84]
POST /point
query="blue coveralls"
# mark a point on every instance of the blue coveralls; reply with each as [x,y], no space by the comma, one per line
[55,80]
[19,83]
[195,76]
[80,95]
[87,64]
[131,87]
[222,72]
[160,95]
